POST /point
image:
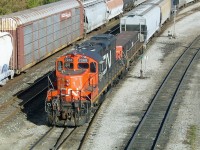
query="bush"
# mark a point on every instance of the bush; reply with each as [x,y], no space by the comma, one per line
[11,6]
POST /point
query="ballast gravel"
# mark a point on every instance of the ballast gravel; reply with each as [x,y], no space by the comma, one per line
[122,109]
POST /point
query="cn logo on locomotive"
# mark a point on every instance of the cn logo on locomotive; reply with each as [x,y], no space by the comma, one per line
[107,60]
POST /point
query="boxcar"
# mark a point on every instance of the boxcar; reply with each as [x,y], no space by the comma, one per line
[144,19]
[41,31]
[95,14]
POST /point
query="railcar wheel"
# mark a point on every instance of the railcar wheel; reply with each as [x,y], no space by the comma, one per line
[76,118]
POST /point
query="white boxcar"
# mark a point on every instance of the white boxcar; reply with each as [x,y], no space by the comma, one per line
[114,8]
[165,7]
[145,19]
[95,14]
[6,49]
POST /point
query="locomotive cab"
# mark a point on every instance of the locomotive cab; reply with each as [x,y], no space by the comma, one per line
[76,85]
[76,77]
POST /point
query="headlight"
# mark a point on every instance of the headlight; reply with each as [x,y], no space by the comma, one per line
[67,82]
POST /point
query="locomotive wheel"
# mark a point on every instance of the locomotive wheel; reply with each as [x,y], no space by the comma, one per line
[51,118]
[88,116]
[60,123]
[78,119]
[88,112]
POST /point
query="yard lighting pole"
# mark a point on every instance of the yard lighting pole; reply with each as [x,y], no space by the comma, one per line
[174,32]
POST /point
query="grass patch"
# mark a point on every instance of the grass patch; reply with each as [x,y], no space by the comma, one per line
[191,136]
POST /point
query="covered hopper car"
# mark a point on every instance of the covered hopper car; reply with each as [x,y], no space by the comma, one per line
[147,18]
[6,49]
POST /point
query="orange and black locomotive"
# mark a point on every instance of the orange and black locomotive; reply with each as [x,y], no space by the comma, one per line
[85,74]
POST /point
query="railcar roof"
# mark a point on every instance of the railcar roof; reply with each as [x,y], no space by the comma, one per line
[39,12]
[153,1]
[87,3]
[140,10]
[102,37]
[100,43]
[126,36]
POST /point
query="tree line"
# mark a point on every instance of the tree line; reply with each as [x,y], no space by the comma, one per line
[11,6]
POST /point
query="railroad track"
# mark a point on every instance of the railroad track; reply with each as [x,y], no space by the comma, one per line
[65,137]
[53,138]
[62,138]
[16,104]
[149,130]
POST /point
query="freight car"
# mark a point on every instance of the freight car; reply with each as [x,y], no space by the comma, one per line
[95,15]
[182,3]
[165,9]
[39,32]
[98,13]
[85,74]
[6,49]
[146,18]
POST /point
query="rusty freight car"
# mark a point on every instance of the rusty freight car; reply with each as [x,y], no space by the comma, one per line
[41,31]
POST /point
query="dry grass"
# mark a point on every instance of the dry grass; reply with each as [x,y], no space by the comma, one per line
[191,136]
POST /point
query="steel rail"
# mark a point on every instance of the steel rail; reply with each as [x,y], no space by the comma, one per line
[43,137]
[138,140]
[63,139]
[13,106]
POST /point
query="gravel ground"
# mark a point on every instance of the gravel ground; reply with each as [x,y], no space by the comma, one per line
[24,129]
[123,108]
[185,129]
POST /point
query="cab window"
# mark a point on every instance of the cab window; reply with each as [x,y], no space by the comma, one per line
[83,65]
[69,65]
[93,67]
[59,65]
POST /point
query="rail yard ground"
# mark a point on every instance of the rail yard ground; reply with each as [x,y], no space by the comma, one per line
[123,108]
